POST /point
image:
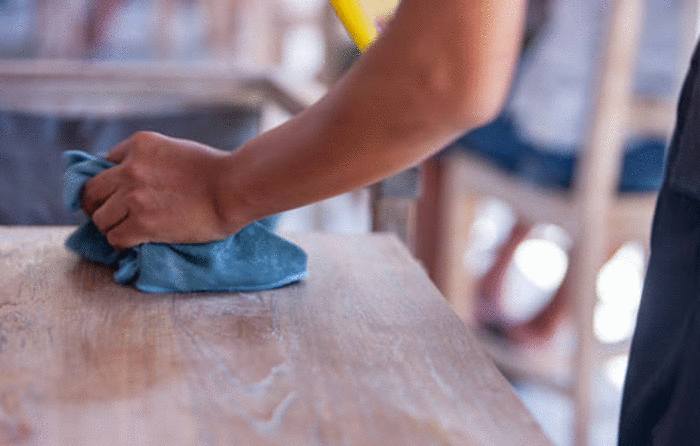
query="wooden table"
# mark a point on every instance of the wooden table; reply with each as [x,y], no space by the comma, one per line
[364,352]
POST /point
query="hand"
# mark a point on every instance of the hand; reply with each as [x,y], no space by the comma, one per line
[162,190]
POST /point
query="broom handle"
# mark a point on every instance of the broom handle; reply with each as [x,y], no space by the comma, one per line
[356,22]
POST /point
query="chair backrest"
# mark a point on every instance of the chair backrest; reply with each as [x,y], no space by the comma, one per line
[617,113]
[598,172]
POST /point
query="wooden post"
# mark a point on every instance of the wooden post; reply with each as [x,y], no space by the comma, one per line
[595,188]
[393,206]
[444,218]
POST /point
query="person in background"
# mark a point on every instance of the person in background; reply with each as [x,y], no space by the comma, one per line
[541,131]
[439,69]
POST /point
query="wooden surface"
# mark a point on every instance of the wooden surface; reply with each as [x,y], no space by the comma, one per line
[363,352]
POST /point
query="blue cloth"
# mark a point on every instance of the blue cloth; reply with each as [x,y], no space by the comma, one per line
[501,144]
[253,259]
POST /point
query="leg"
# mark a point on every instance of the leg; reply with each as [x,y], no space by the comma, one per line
[491,285]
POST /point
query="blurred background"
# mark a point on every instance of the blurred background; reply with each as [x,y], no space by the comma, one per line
[535,227]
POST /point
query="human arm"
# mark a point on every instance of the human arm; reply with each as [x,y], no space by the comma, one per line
[439,69]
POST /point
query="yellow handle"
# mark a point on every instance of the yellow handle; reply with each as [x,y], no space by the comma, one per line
[356,22]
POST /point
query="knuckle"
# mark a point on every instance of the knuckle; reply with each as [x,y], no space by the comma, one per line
[143,136]
[138,200]
[143,139]
[134,171]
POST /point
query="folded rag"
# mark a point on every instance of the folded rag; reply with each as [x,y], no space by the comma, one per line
[251,260]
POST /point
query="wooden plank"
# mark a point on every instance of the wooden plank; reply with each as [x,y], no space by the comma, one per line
[595,191]
[631,213]
[293,96]
[59,81]
[141,71]
[364,352]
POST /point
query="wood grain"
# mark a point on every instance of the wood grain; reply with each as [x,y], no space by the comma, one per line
[364,352]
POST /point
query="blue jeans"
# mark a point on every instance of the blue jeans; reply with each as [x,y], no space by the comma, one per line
[554,167]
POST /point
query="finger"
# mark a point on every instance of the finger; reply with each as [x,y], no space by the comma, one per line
[99,189]
[126,234]
[119,152]
[113,212]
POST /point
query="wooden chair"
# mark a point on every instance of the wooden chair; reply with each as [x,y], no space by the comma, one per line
[233,28]
[594,213]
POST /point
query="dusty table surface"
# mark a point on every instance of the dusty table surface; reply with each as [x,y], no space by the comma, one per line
[364,352]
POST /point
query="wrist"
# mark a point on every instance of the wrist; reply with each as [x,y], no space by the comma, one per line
[233,207]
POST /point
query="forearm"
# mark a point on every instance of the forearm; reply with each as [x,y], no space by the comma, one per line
[439,69]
